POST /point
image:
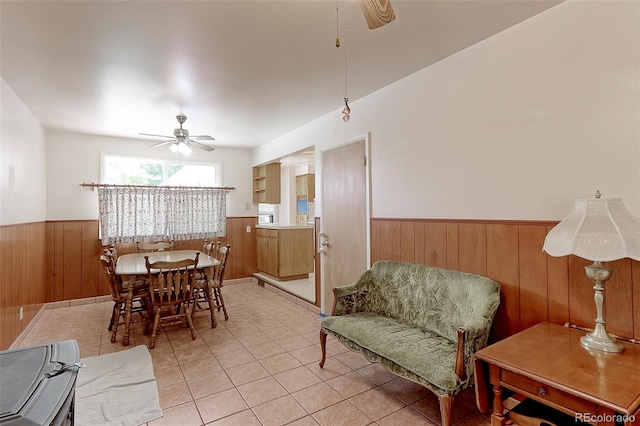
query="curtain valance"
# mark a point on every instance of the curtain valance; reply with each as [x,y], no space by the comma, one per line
[150,213]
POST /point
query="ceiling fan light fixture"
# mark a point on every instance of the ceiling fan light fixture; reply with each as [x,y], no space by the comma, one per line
[184,149]
[180,147]
[181,139]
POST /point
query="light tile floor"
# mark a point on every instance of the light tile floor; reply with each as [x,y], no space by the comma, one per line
[258,368]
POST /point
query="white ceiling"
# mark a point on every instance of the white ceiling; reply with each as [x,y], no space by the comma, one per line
[244,72]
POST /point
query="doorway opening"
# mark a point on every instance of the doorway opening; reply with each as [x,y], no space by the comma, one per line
[297,209]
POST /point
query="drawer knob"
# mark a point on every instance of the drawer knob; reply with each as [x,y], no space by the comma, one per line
[542,391]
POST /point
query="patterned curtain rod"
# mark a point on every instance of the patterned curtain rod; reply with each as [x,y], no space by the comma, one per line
[110,185]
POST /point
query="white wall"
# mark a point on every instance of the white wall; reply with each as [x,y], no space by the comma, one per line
[74,158]
[287,207]
[22,161]
[515,127]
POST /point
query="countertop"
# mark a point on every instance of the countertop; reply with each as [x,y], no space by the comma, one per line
[276,226]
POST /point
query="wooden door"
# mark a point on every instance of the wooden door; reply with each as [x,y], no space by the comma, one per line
[344,218]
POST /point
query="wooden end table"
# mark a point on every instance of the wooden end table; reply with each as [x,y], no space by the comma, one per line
[548,364]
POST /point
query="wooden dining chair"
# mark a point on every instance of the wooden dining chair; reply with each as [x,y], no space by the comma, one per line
[170,291]
[154,246]
[208,248]
[208,290]
[218,280]
[119,289]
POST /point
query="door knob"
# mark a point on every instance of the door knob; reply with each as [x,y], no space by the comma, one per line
[322,242]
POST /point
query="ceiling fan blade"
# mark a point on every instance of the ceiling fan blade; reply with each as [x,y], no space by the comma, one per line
[156,136]
[377,12]
[163,143]
[202,137]
[201,145]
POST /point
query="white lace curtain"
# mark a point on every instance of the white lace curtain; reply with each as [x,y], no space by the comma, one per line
[131,214]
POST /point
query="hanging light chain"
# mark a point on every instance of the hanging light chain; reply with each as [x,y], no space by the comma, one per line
[337,25]
[346,111]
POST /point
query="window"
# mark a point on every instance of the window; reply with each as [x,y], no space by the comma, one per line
[156,199]
[130,170]
[266,213]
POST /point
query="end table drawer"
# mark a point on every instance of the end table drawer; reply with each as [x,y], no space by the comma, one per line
[545,393]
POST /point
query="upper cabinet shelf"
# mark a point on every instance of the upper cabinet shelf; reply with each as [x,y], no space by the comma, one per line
[305,194]
[266,184]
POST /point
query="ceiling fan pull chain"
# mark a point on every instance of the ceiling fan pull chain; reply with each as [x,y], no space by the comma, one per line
[346,110]
[337,24]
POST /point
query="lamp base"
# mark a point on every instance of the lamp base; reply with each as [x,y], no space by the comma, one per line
[599,339]
[606,345]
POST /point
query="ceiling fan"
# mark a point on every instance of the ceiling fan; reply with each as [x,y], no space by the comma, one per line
[377,12]
[181,140]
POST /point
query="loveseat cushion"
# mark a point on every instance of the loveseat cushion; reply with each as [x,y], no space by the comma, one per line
[436,299]
[427,355]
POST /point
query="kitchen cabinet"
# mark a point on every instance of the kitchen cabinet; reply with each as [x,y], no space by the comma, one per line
[306,186]
[266,184]
[285,253]
[305,194]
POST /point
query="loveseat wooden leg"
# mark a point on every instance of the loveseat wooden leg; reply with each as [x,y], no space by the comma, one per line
[323,345]
[446,404]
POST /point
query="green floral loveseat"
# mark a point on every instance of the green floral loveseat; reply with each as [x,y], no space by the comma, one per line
[420,322]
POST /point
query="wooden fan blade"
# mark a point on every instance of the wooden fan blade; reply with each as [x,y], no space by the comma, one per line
[163,143]
[377,12]
[202,137]
[201,145]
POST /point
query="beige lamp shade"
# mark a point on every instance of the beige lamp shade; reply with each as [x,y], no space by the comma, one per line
[597,229]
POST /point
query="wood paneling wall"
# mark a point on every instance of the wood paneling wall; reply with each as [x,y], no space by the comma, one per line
[534,286]
[22,282]
[73,252]
[53,261]
[73,267]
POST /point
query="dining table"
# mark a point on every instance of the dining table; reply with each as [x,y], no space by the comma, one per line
[133,267]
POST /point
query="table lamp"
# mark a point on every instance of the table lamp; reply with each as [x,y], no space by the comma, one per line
[599,230]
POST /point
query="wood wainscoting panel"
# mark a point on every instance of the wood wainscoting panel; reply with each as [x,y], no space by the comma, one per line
[89,270]
[435,244]
[72,260]
[50,256]
[56,246]
[557,288]
[73,251]
[22,283]
[535,287]
[419,243]
[472,248]
[248,251]
[386,240]
[453,258]
[502,266]
[376,234]
[533,275]
[407,236]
